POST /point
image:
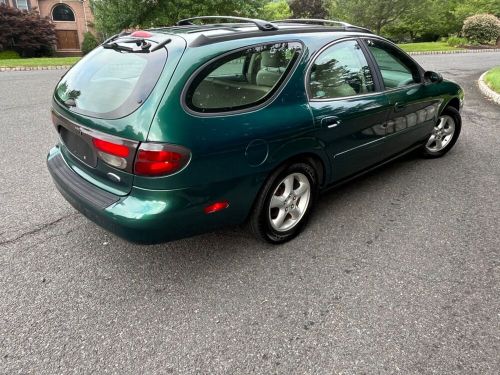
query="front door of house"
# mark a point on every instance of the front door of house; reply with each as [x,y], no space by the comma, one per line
[67,39]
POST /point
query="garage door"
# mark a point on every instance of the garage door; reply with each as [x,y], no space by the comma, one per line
[67,39]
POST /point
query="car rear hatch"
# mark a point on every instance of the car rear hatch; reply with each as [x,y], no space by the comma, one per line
[103,106]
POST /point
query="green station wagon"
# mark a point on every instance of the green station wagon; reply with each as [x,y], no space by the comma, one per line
[173,131]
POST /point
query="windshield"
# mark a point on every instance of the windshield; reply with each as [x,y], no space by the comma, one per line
[110,83]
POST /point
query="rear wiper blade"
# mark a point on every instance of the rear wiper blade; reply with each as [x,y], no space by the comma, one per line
[161,45]
[117,47]
[145,46]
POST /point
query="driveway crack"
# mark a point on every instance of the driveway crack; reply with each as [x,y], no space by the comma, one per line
[36,230]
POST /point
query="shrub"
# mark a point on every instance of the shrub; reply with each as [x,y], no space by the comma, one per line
[481,28]
[89,42]
[9,55]
[456,41]
[26,32]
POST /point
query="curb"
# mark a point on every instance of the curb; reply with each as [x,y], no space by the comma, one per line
[28,68]
[495,97]
[483,50]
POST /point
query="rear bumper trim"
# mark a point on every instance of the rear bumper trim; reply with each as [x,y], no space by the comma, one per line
[68,182]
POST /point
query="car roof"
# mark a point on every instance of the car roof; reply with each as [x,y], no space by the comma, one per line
[206,34]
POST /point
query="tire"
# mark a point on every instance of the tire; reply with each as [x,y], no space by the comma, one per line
[440,142]
[285,199]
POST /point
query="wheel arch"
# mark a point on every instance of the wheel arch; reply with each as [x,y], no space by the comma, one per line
[453,102]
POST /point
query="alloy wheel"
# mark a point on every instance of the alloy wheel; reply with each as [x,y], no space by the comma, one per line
[289,202]
[442,134]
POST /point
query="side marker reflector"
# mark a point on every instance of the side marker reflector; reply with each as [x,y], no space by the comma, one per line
[218,206]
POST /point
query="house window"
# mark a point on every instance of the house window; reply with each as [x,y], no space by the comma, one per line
[62,12]
[22,4]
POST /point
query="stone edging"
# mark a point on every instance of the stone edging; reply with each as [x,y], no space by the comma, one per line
[495,97]
[26,68]
[455,51]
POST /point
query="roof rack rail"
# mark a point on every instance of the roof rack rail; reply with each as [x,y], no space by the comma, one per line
[313,21]
[344,25]
[261,24]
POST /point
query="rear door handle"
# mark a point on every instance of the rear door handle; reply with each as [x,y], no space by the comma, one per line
[399,106]
[331,122]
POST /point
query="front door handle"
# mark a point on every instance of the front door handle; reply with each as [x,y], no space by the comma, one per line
[399,107]
[331,122]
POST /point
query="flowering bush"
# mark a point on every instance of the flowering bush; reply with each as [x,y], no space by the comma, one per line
[481,28]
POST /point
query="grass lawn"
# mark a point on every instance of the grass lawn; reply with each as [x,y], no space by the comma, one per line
[427,47]
[38,61]
[492,79]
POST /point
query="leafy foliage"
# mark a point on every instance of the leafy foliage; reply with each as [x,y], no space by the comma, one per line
[456,41]
[276,10]
[89,42]
[482,28]
[309,8]
[8,55]
[112,16]
[374,14]
[26,32]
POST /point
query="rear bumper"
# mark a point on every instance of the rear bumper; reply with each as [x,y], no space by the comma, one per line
[147,216]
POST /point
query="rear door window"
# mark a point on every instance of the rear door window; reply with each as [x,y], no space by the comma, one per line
[242,79]
[341,70]
[109,83]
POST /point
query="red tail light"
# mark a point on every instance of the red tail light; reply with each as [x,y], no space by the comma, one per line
[114,154]
[157,159]
[111,148]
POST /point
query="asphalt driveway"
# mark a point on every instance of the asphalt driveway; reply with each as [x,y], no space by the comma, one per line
[397,272]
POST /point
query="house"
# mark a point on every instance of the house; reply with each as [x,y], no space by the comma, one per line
[72,18]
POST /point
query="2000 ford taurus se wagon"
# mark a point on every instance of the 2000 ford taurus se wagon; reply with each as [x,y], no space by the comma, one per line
[174,131]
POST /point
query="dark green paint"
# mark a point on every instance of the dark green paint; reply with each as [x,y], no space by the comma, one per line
[221,168]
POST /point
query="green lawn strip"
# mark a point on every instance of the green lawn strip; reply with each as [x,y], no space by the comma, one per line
[427,47]
[38,62]
[492,79]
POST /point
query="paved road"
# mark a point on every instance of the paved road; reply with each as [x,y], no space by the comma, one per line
[397,272]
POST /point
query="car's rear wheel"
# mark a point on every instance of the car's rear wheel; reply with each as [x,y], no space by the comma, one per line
[285,203]
[444,135]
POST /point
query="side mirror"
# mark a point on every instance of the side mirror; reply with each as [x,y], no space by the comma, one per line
[433,77]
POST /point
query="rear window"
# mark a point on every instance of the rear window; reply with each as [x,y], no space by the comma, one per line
[110,83]
[242,79]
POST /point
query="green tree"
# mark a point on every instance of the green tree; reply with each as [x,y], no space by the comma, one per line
[309,8]
[112,16]
[464,9]
[276,10]
[426,20]
[374,14]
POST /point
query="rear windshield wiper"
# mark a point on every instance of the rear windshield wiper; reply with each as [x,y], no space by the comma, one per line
[142,43]
[161,45]
[117,47]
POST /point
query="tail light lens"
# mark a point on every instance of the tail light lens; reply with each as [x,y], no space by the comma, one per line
[114,154]
[160,159]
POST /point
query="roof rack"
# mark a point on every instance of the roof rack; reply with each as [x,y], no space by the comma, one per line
[317,21]
[261,24]
[313,21]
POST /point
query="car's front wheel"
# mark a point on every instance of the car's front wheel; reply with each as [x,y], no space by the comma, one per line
[444,135]
[285,203]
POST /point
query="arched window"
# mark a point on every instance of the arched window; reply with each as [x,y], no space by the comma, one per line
[62,12]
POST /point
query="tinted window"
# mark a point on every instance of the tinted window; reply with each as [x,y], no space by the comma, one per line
[242,79]
[62,12]
[340,70]
[397,69]
[109,83]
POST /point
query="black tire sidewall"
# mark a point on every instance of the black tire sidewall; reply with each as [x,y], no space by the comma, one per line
[261,222]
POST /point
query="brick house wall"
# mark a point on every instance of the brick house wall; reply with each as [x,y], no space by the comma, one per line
[69,33]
